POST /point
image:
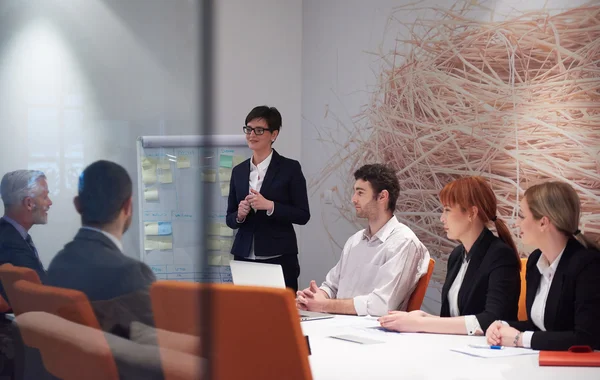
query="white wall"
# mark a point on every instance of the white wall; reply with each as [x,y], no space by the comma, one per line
[258,61]
[81,79]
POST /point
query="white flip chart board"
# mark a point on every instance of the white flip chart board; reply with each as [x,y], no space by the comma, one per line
[175,173]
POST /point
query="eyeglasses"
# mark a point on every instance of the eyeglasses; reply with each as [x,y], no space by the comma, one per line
[257,131]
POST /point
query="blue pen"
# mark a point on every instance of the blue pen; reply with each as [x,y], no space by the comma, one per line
[486,346]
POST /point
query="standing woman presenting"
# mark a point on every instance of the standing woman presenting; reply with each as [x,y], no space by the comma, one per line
[267,195]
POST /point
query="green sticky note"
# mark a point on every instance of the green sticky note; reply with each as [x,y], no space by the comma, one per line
[238,160]
[225,161]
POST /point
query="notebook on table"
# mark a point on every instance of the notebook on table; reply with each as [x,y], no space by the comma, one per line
[577,356]
[270,275]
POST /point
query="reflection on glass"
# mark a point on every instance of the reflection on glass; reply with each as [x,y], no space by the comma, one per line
[43,132]
[55,142]
[73,133]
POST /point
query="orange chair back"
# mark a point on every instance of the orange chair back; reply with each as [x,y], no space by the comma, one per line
[69,304]
[522,307]
[416,298]
[240,323]
[72,352]
[9,274]
[69,351]
[182,297]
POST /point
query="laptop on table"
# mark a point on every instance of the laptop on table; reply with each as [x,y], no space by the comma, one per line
[269,275]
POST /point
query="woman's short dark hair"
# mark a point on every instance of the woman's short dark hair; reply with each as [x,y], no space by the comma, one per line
[269,114]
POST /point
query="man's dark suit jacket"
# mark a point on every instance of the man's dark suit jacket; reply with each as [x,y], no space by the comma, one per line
[572,315]
[284,184]
[492,284]
[15,250]
[117,285]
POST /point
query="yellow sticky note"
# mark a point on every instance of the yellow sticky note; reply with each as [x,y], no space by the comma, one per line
[225,230]
[149,175]
[224,174]
[220,229]
[166,243]
[226,258]
[214,260]
[209,175]
[213,244]
[238,160]
[226,245]
[151,228]
[151,195]
[183,162]
[164,164]
[150,245]
[225,189]
[214,228]
[161,243]
[165,176]
[147,163]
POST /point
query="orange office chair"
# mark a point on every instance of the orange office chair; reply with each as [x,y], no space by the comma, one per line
[69,304]
[9,274]
[68,350]
[184,297]
[241,323]
[71,351]
[416,299]
[522,316]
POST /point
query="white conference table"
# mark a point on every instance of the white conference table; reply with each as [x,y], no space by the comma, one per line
[415,356]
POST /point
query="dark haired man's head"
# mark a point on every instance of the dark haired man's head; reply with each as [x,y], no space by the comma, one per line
[376,189]
[105,197]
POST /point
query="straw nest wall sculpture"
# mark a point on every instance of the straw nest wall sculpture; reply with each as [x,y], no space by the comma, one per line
[516,101]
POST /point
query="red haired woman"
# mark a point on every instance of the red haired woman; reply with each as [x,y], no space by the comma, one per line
[482,279]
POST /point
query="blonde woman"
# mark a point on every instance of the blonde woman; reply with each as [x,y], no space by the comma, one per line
[563,275]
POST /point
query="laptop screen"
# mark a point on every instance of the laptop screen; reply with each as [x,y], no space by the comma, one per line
[257,274]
